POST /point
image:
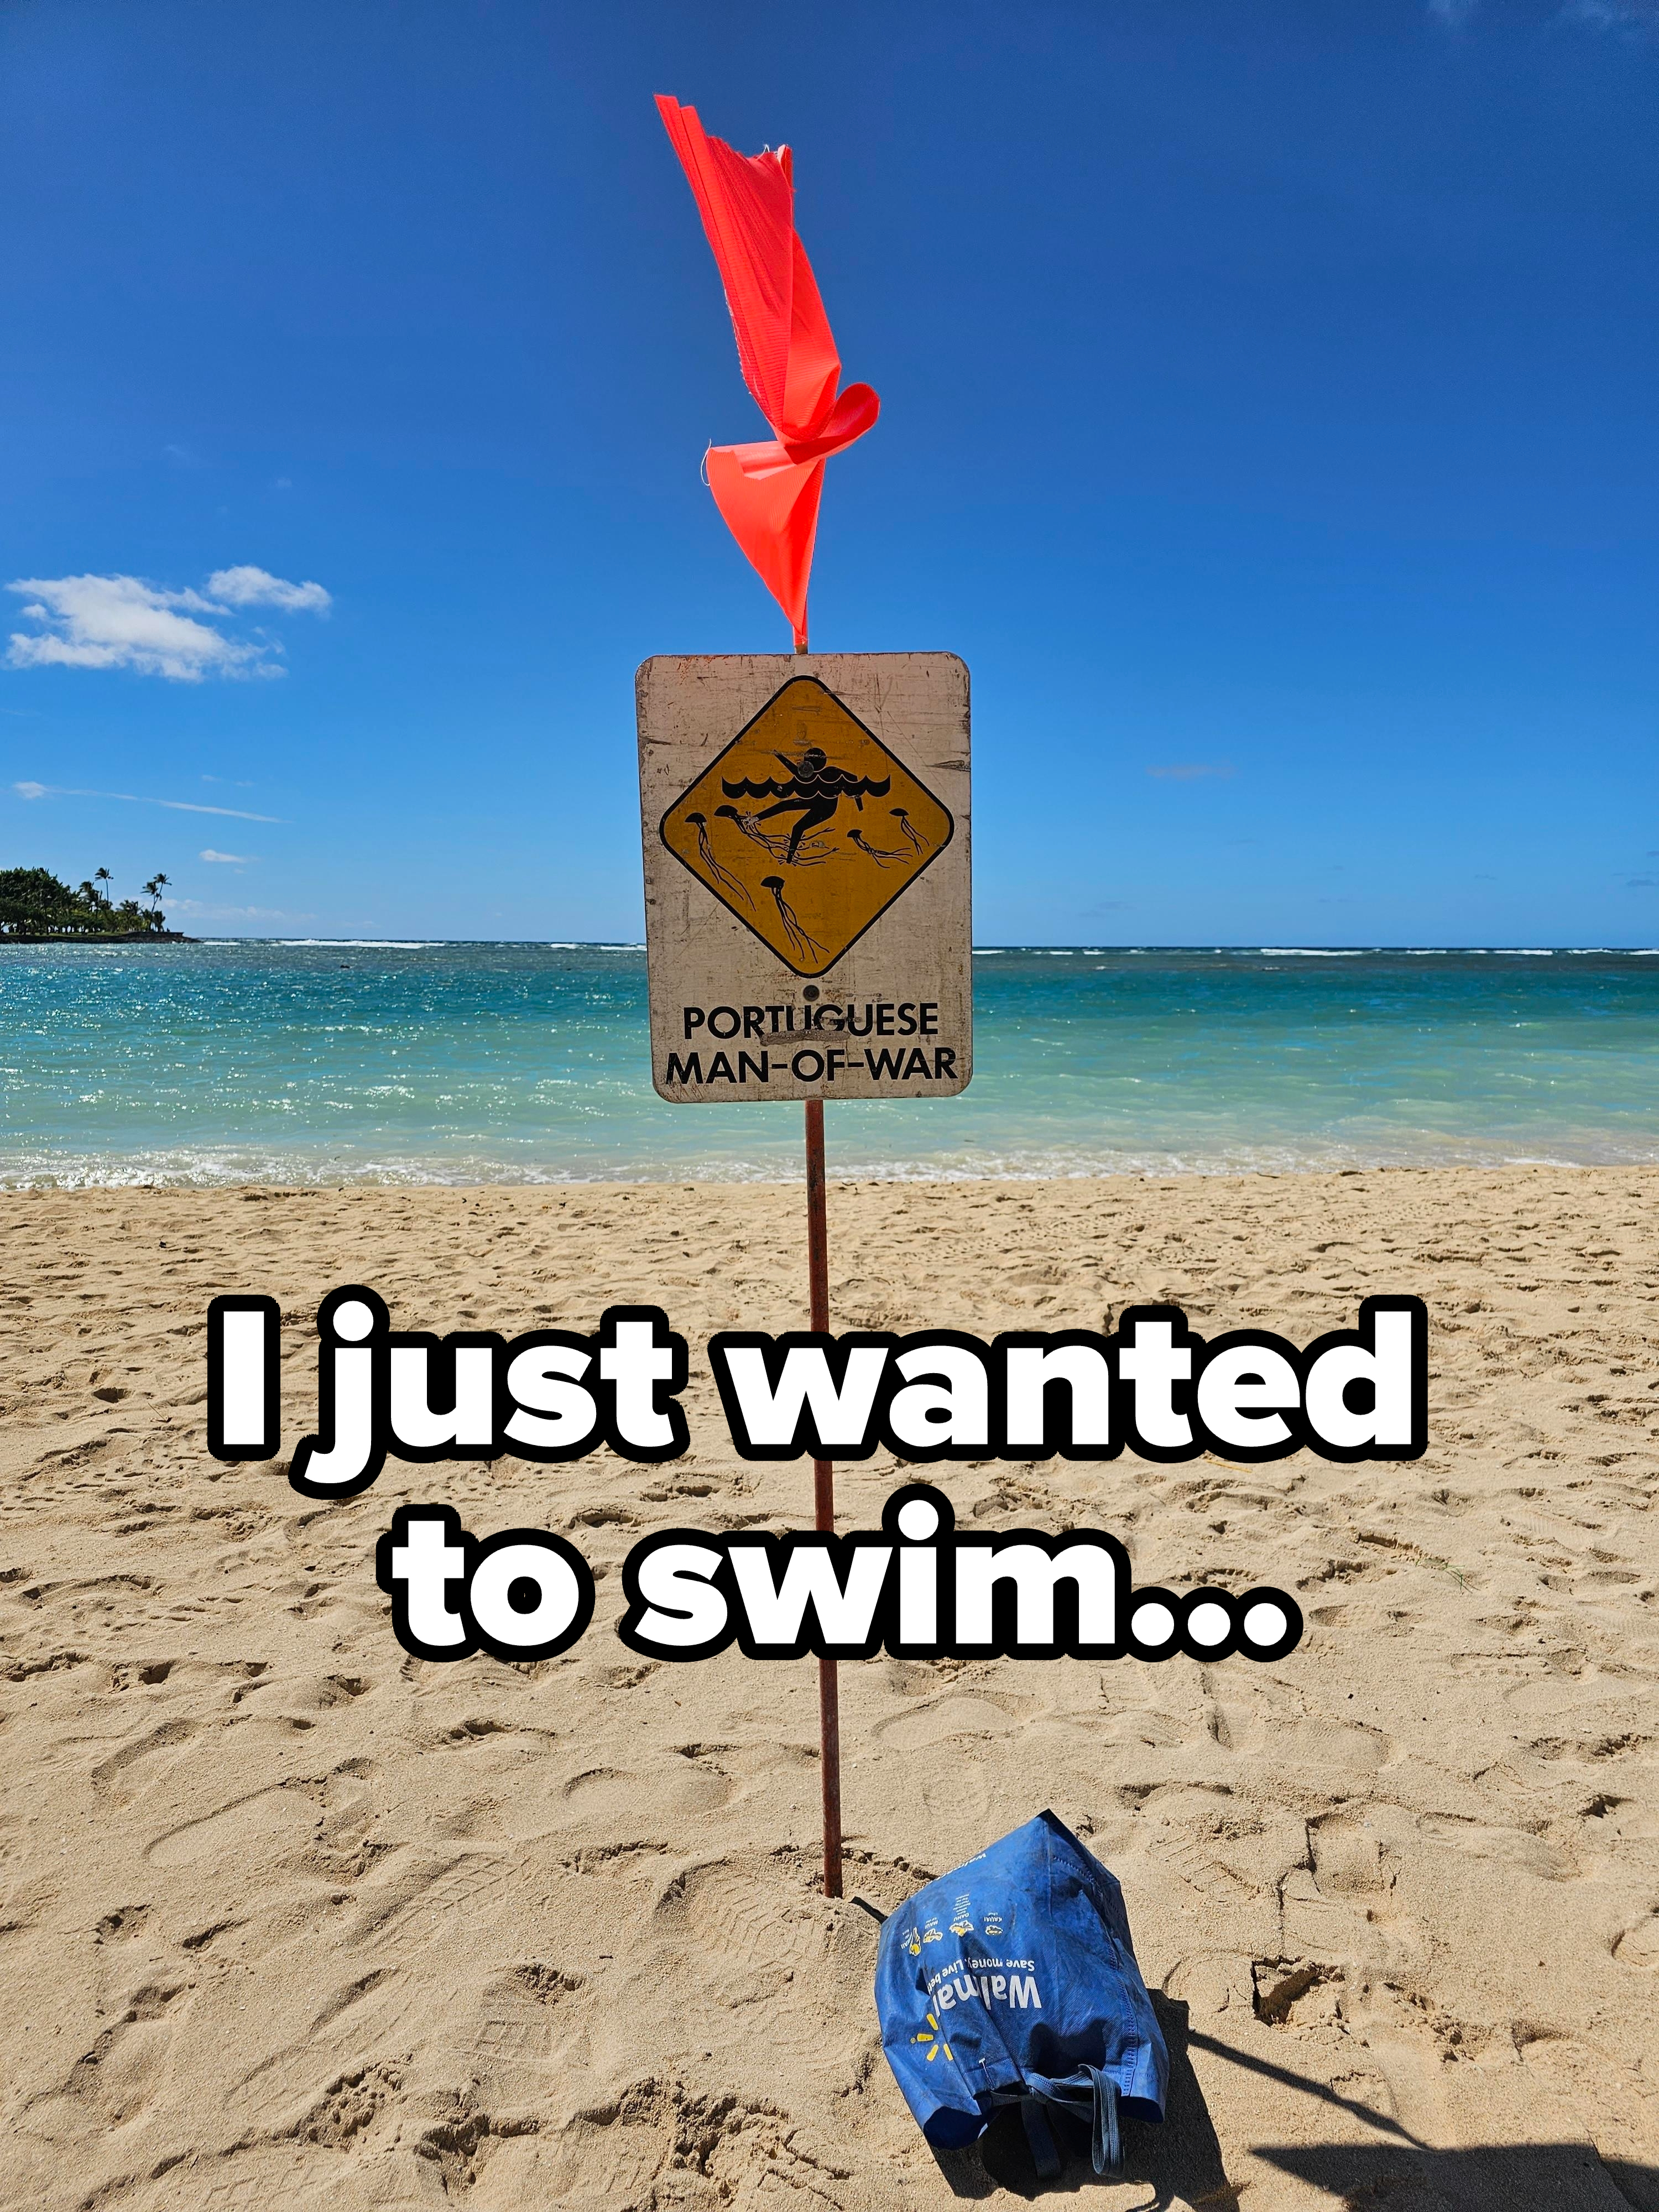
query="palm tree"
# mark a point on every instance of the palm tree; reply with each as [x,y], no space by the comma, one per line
[152,890]
[103,876]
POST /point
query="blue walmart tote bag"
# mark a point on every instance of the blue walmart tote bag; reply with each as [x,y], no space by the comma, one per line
[1013,1981]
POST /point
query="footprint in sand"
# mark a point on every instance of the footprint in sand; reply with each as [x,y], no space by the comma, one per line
[1592,1749]
[960,1797]
[252,1827]
[125,1921]
[349,2106]
[959,1713]
[1347,1857]
[1296,1992]
[110,2084]
[522,2015]
[403,1915]
[1326,1744]
[1519,1848]
[1230,1850]
[1198,1865]
[1211,1982]
[1639,1946]
[1603,2094]
[741,2150]
[591,2162]
[1142,1724]
[256,2180]
[735,1907]
[115,1778]
[238,2190]
[1397,2045]
[352,2020]
[606,1792]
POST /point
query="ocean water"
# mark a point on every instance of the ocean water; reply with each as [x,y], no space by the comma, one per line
[325,1063]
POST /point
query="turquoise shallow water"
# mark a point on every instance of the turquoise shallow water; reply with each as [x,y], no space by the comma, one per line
[457,1063]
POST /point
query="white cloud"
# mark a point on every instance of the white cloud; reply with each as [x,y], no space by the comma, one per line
[231,859]
[136,799]
[258,588]
[122,622]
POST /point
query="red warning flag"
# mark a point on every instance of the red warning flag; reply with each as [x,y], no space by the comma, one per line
[768,492]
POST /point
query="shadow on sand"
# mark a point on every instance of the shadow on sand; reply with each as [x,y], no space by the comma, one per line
[1182,2159]
[1555,2176]
[1180,2163]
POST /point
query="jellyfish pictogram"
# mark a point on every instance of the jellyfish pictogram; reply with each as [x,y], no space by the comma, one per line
[749,825]
[706,854]
[806,947]
[883,855]
[918,843]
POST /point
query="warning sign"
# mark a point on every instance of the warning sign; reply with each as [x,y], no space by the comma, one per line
[806,827]
[805,822]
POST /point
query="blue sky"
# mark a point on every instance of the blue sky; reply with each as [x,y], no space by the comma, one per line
[1268,420]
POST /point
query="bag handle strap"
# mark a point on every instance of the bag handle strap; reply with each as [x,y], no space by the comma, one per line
[1105,2142]
[1094,2098]
[1040,2139]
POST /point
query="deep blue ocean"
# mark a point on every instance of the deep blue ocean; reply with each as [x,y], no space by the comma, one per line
[322,1063]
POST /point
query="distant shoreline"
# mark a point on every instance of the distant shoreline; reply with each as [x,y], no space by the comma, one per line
[980,951]
[98,937]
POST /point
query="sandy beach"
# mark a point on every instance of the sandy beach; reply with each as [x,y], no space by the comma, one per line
[287,1917]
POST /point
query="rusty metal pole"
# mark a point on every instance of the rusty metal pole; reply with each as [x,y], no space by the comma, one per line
[823,1498]
[823,1488]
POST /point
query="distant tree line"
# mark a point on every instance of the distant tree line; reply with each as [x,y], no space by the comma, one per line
[34,903]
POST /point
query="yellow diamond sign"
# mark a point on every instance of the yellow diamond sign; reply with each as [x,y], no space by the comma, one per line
[806,828]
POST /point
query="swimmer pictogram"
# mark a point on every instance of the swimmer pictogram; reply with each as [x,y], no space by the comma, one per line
[806,828]
[813,792]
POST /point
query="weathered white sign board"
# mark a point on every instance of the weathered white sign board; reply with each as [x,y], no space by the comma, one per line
[805,824]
